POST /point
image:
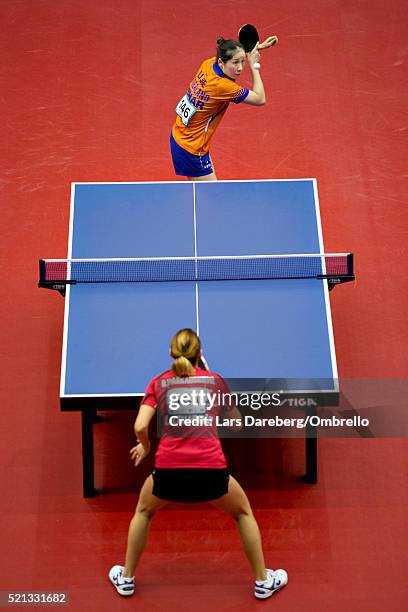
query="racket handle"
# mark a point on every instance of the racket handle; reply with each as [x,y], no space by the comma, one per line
[202,363]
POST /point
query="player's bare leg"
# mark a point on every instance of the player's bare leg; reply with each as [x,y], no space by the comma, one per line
[236,503]
[146,507]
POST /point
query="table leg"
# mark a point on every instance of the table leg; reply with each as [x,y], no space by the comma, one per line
[311,451]
[87,454]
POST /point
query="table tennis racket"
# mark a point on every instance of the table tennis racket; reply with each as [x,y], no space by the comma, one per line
[248,36]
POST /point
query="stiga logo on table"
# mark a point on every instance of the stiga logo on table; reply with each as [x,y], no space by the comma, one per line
[298,402]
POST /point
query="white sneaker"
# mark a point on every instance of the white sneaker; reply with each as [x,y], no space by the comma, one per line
[275,580]
[124,586]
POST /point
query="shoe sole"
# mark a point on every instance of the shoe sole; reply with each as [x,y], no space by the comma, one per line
[266,595]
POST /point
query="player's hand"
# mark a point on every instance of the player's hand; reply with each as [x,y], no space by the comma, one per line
[253,56]
[268,42]
[138,453]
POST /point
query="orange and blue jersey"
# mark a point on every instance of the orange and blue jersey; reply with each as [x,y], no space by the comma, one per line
[200,111]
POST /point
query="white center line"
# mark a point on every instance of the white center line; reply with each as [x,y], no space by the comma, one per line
[195,255]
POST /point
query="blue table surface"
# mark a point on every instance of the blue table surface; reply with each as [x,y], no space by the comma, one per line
[117,335]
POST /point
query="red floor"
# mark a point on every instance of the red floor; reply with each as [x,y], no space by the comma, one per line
[89,91]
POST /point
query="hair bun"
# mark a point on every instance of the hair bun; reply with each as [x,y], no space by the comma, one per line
[220,41]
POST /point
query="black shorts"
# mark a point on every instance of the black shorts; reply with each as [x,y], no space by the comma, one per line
[188,485]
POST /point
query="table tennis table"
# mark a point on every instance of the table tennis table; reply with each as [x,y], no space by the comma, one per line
[116,335]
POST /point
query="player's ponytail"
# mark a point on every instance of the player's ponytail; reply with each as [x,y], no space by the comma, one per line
[227,48]
[185,349]
[182,366]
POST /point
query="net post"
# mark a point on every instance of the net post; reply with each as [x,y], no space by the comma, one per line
[42,271]
[55,285]
[350,264]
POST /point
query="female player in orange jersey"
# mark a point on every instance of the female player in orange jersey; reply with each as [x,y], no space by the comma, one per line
[203,106]
[190,465]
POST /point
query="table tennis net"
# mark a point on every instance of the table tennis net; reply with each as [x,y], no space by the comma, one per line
[71,271]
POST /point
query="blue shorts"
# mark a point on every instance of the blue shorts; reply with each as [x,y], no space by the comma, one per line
[186,164]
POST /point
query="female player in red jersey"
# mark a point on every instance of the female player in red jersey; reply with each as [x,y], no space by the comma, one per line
[201,109]
[189,466]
